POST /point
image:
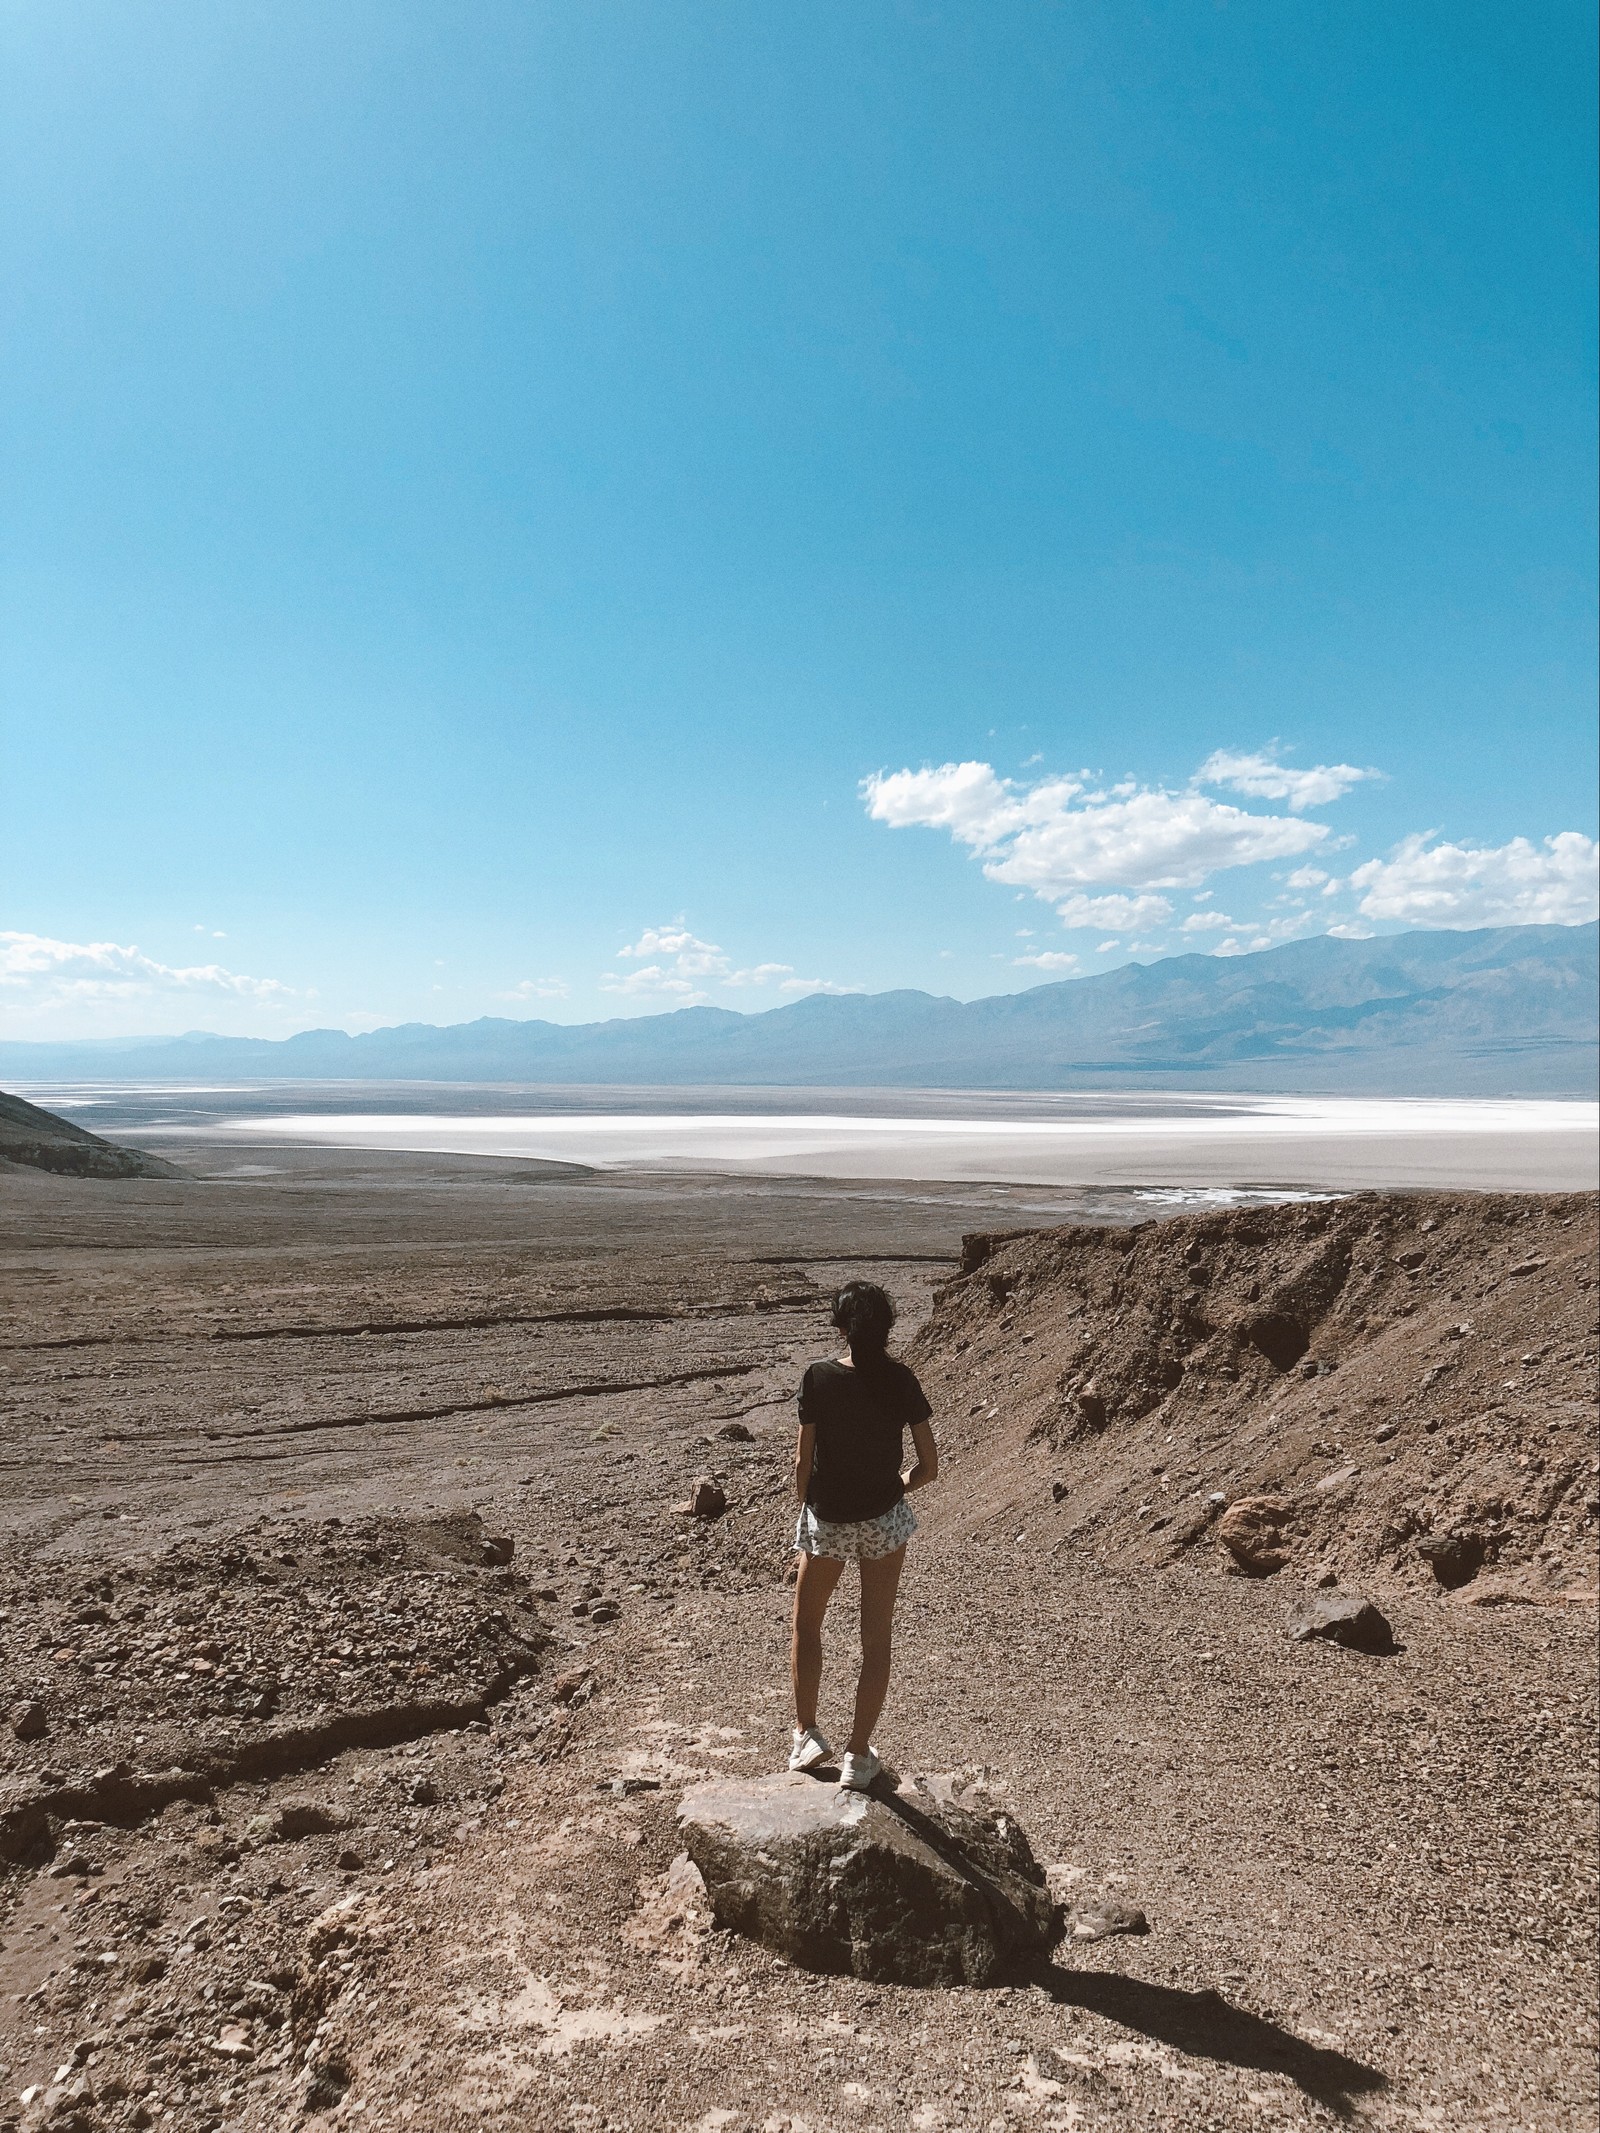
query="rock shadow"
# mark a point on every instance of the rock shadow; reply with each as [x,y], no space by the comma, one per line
[1206,2026]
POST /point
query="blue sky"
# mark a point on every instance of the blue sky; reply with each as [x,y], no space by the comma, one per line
[855,494]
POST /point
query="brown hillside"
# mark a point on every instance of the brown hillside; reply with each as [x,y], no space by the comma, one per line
[1408,1380]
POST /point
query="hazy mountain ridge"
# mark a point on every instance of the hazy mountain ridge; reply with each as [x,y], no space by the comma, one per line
[1507,1011]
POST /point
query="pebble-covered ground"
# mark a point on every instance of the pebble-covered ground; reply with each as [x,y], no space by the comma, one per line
[361,1742]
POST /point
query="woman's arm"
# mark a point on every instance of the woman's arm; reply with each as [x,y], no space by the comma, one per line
[926,1468]
[805,1447]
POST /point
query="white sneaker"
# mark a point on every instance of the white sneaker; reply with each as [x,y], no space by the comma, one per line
[809,1749]
[859,1772]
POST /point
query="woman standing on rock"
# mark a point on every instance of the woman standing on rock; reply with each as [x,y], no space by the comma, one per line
[854,1413]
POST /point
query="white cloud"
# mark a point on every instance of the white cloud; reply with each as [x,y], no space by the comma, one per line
[685,965]
[1113,914]
[44,980]
[652,978]
[1456,886]
[690,957]
[538,989]
[1059,838]
[1263,777]
[1305,878]
[1046,959]
[1204,921]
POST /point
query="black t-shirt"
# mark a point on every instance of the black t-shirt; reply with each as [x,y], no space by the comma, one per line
[860,1418]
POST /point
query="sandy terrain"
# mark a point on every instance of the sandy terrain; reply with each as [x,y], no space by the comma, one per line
[344,1813]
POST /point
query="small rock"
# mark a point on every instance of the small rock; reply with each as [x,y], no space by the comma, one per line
[27,1720]
[350,1862]
[498,1549]
[707,1498]
[605,1611]
[1252,1532]
[294,1819]
[1216,1500]
[423,1793]
[69,1865]
[1098,1921]
[1091,1408]
[737,1433]
[1059,1492]
[1345,1618]
[1325,1580]
[1341,1478]
[574,1688]
[1388,1430]
[625,1787]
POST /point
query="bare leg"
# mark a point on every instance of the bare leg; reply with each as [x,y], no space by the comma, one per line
[880,1583]
[814,1588]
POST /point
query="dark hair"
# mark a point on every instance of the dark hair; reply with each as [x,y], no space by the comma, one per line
[864,1314]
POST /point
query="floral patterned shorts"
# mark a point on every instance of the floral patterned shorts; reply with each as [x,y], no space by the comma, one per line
[862,1537]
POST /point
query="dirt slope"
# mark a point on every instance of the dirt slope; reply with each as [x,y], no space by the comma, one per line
[32,1139]
[1410,1377]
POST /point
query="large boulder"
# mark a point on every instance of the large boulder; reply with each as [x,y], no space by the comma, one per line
[898,1886]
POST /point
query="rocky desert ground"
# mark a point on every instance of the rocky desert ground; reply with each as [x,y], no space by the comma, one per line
[357,1649]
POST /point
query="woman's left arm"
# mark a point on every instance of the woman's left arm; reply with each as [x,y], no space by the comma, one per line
[804,1452]
[926,1468]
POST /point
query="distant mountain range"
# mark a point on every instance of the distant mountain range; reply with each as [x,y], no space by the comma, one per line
[1512,1011]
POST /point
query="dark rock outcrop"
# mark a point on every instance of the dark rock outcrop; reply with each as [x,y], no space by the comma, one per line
[893,1886]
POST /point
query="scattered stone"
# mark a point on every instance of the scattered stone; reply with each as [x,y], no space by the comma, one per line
[1059,1492]
[1098,1921]
[305,1818]
[1346,1618]
[604,1611]
[573,1688]
[27,1719]
[423,1793]
[624,1788]
[737,1433]
[1384,1434]
[498,1550]
[350,1862]
[1252,1532]
[897,1887]
[707,1498]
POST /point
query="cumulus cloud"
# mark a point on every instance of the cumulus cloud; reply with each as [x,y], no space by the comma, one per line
[41,977]
[538,989]
[1113,914]
[683,965]
[1062,837]
[1046,959]
[1263,777]
[1207,922]
[1455,886]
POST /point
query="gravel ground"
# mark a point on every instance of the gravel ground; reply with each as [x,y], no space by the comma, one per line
[1370,1881]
